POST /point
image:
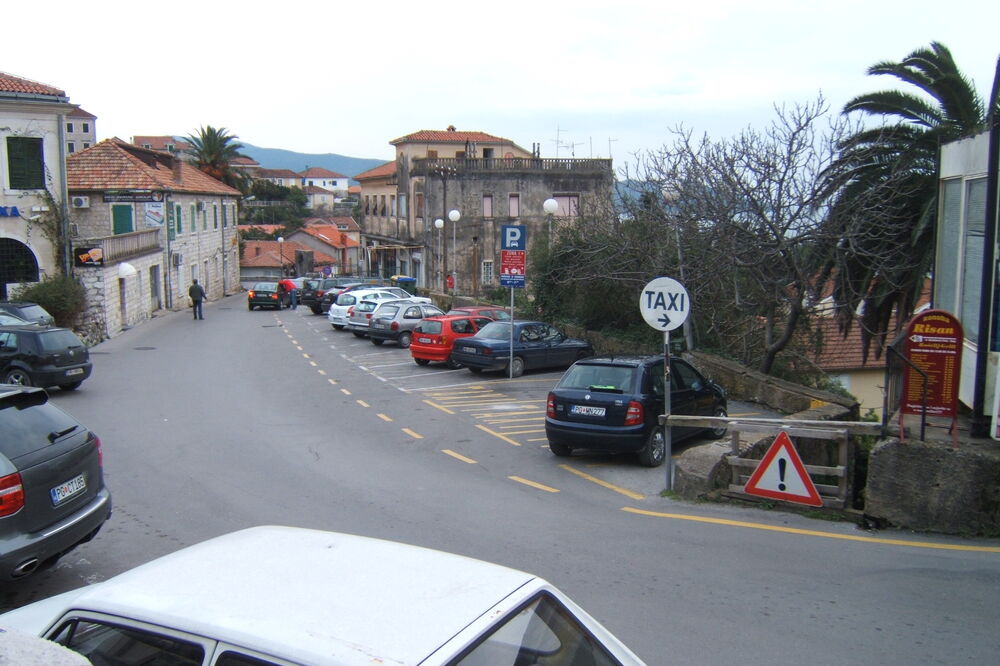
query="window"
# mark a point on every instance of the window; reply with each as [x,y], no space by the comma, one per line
[487,272]
[487,205]
[113,644]
[194,219]
[86,144]
[69,127]
[972,271]
[25,164]
[121,216]
[392,205]
[70,147]
[147,146]
[215,216]
[432,154]
[514,205]
[86,127]
[569,205]
[420,204]
[180,219]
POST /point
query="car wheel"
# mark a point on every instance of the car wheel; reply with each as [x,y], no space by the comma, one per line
[719,432]
[404,340]
[72,386]
[377,342]
[559,449]
[339,327]
[655,451]
[475,371]
[358,334]
[516,367]
[453,364]
[421,361]
[315,309]
[249,307]
[18,377]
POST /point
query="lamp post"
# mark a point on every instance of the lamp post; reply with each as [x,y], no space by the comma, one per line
[281,257]
[454,215]
[439,225]
[550,206]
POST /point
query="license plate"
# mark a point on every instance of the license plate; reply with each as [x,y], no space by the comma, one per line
[74,371]
[425,341]
[469,350]
[66,490]
[379,326]
[586,410]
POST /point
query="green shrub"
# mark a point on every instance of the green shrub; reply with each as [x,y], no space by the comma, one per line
[63,297]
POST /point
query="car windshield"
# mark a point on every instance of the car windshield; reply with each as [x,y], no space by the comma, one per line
[33,312]
[265,286]
[495,330]
[598,377]
[9,319]
[58,339]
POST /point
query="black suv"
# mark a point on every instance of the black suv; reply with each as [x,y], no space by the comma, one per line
[30,312]
[313,290]
[613,404]
[52,492]
[35,356]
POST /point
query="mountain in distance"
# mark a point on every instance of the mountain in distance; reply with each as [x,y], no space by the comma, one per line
[278,158]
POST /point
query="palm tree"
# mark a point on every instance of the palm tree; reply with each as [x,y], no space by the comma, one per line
[213,152]
[884,185]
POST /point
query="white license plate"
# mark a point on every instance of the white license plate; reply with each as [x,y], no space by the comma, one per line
[586,410]
[66,490]
[425,341]
[469,350]
[74,371]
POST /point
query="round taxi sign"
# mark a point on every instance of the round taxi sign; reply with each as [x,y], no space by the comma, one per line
[664,303]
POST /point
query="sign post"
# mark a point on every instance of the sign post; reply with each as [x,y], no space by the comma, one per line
[513,271]
[934,344]
[665,305]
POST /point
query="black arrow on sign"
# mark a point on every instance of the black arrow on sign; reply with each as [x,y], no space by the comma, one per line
[665,320]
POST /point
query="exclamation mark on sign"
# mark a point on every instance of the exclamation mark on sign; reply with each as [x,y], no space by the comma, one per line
[781,473]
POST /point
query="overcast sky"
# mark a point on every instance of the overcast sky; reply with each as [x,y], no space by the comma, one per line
[348,77]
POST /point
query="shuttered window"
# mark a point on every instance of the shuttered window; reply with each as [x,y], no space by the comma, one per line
[121,215]
[25,165]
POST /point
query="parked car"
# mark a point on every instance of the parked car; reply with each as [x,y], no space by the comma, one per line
[396,320]
[434,337]
[52,492]
[330,297]
[314,289]
[536,345]
[351,600]
[31,312]
[43,356]
[613,403]
[338,313]
[359,315]
[7,319]
[491,311]
[265,295]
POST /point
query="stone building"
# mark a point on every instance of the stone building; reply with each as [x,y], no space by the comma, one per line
[473,183]
[144,223]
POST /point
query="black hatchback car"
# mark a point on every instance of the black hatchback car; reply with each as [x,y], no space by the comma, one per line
[43,356]
[52,492]
[30,312]
[613,403]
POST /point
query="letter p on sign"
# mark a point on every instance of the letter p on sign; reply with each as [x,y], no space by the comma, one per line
[513,237]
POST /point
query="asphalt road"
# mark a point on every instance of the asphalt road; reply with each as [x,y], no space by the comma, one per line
[252,418]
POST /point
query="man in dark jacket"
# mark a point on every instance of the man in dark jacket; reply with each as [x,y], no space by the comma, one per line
[197,294]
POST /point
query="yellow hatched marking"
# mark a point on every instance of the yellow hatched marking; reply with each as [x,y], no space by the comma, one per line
[518,420]
[458,456]
[437,406]
[533,484]
[413,434]
[604,484]
[496,434]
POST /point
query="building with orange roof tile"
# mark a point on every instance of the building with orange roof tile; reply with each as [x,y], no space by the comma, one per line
[145,223]
[81,130]
[488,181]
[271,260]
[33,119]
[329,237]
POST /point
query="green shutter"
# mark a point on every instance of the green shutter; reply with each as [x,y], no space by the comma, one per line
[121,215]
[180,220]
[25,163]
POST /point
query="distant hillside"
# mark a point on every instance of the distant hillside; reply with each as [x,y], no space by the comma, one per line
[276,158]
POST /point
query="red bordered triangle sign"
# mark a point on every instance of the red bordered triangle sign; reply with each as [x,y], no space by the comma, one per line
[782,476]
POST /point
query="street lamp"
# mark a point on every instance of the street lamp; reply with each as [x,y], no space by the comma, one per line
[439,225]
[454,216]
[281,256]
[550,206]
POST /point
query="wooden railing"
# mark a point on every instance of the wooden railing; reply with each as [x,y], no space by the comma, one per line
[123,246]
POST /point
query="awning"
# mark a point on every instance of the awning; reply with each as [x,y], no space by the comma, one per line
[126,269]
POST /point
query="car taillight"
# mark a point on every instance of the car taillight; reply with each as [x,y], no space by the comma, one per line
[11,494]
[487,351]
[635,414]
[394,326]
[274,296]
[250,294]
[550,407]
[368,315]
[100,451]
[445,340]
[350,311]
[319,292]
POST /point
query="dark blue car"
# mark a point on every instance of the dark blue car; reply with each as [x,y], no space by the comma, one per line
[536,345]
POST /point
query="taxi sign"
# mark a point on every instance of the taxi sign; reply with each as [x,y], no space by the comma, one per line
[664,303]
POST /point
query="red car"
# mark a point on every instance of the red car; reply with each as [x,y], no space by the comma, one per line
[434,337]
[491,311]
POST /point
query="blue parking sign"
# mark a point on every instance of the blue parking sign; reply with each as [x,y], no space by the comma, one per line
[513,237]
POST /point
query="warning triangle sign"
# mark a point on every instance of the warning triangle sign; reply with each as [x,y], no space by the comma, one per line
[782,476]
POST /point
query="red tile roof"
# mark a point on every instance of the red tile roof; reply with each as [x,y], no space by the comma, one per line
[80,113]
[320,172]
[243,160]
[381,171]
[343,222]
[331,235]
[161,142]
[266,228]
[449,136]
[113,164]
[315,189]
[268,253]
[15,84]
[278,173]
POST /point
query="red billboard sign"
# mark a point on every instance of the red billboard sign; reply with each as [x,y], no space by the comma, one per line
[933,344]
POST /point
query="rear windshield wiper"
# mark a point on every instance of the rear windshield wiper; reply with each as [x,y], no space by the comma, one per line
[53,436]
[609,389]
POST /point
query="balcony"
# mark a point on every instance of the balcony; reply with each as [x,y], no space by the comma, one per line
[457,166]
[125,246]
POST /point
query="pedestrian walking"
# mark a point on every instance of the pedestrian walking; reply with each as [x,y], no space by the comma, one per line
[197,294]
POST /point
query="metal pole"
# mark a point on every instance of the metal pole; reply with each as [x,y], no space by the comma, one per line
[667,443]
[510,362]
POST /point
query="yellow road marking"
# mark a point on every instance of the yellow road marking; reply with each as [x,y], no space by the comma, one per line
[496,434]
[437,406]
[816,533]
[313,363]
[384,418]
[414,435]
[522,432]
[322,372]
[517,420]
[458,456]
[533,484]
[345,391]
[363,403]
[610,486]
[332,381]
